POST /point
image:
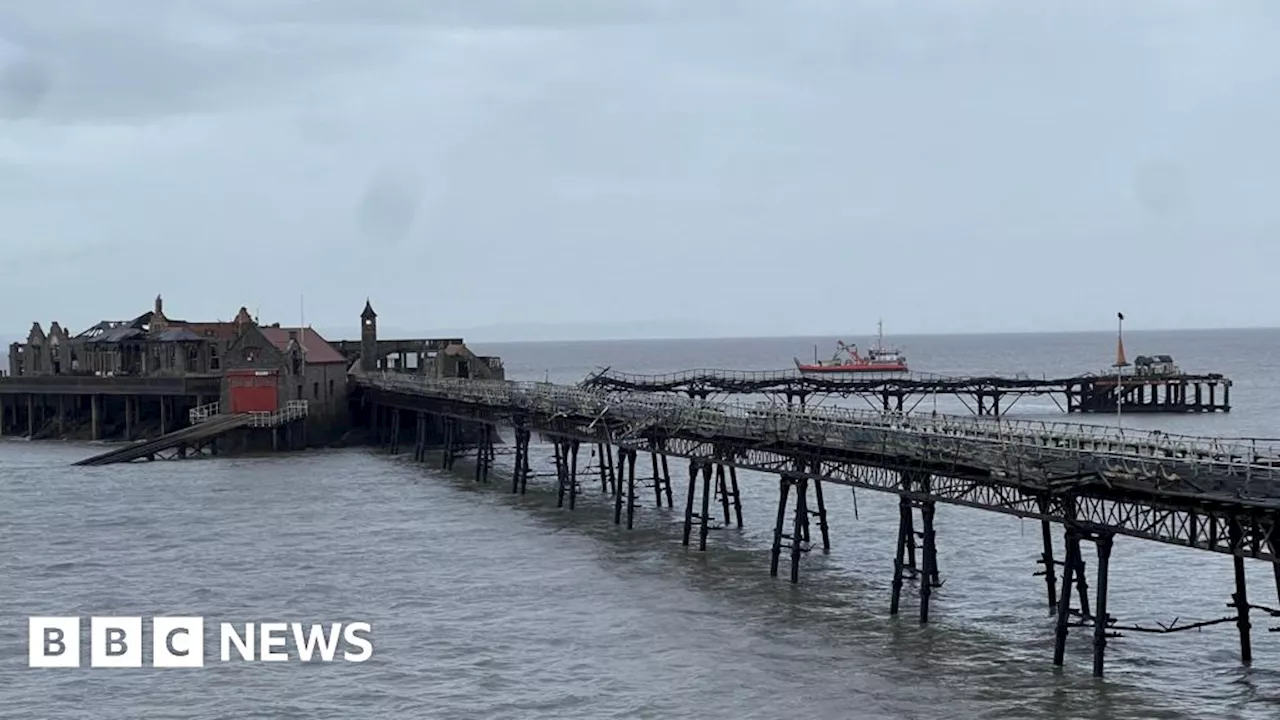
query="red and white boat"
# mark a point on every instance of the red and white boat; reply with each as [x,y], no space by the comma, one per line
[847,359]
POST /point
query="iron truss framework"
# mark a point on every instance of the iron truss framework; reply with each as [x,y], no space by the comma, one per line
[901,391]
[1215,494]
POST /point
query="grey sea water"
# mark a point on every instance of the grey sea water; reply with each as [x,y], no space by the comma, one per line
[488,605]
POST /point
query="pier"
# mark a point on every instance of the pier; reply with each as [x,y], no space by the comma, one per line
[180,389]
[152,379]
[1143,392]
[1095,483]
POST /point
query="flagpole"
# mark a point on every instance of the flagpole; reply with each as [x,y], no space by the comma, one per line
[1120,363]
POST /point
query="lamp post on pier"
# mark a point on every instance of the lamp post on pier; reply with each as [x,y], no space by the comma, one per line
[1120,364]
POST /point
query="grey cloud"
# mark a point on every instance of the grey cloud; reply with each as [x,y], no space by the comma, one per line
[751,166]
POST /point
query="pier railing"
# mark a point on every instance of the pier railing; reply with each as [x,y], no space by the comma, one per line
[202,413]
[745,381]
[1155,443]
[1234,468]
[607,377]
[292,410]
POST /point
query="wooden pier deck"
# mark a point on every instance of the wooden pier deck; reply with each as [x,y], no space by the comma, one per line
[1212,494]
[982,395]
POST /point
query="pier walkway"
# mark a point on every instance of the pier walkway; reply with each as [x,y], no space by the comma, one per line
[982,395]
[207,425]
[1213,494]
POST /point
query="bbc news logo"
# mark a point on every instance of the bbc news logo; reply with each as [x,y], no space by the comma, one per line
[117,642]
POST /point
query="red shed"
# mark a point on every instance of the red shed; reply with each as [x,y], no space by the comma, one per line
[253,390]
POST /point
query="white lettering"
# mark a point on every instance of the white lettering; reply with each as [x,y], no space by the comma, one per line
[365,644]
[243,645]
[272,635]
[53,642]
[177,641]
[115,642]
[307,646]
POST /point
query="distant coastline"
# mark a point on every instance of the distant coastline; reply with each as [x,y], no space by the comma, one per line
[622,332]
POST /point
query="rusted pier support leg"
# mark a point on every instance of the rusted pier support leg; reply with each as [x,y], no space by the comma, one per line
[417,437]
[618,477]
[631,488]
[1240,599]
[1046,558]
[447,428]
[666,479]
[929,571]
[737,502]
[821,514]
[904,564]
[1082,587]
[800,527]
[904,536]
[706,506]
[490,432]
[784,488]
[722,490]
[562,470]
[1072,561]
[524,465]
[604,468]
[1275,565]
[455,442]
[911,567]
[395,431]
[484,453]
[573,473]
[481,432]
[522,448]
[657,479]
[688,501]
[625,483]
[524,461]
[515,467]
[612,475]
[1101,622]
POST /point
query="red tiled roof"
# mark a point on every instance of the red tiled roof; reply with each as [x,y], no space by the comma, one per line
[319,351]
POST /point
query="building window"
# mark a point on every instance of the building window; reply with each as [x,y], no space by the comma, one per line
[330,389]
[315,391]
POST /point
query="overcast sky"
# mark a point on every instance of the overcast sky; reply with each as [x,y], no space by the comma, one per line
[729,167]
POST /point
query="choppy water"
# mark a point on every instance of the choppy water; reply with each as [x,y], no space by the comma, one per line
[489,605]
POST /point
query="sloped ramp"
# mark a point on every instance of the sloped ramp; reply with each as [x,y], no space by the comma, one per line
[192,435]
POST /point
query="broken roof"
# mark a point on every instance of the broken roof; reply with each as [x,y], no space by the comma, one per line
[176,334]
[115,335]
